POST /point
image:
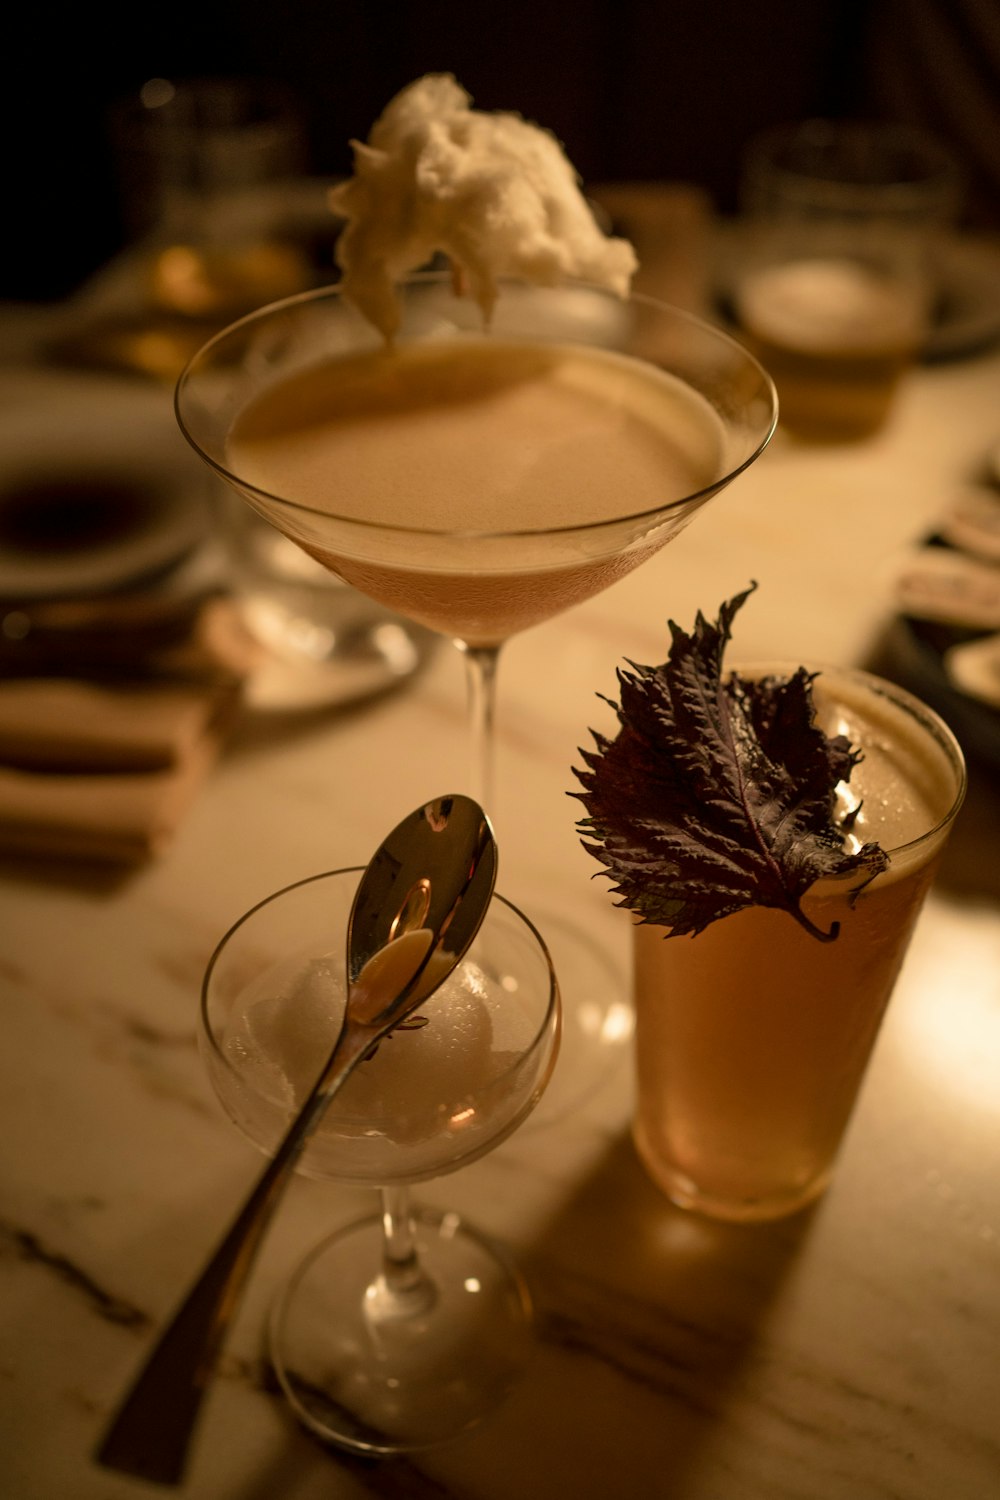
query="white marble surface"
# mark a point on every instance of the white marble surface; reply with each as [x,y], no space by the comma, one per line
[847,1354]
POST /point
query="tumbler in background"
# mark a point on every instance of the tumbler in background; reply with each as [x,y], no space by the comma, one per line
[836,285]
[204,167]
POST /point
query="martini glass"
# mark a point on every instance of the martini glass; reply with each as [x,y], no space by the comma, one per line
[403,1329]
[478,572]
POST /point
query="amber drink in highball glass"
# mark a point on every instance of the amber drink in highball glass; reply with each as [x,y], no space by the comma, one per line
[753,1037]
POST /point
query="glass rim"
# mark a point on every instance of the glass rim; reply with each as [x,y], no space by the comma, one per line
[330,293]
[929,720]
[769,152]
[208,1032]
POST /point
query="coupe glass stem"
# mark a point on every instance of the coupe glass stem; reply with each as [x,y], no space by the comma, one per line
[481,664]
[401,1289]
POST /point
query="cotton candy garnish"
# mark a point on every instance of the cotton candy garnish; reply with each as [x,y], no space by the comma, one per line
[492,192]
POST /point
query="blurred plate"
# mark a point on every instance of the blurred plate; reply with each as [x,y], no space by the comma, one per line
[98,490]
[967,317]
[278,686]
[916,655]
[328,660]
[917,650]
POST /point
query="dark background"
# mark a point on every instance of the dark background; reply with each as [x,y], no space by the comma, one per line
[635,89]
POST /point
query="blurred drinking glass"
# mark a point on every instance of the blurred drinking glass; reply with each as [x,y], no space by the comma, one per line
[203,166]
[836,285]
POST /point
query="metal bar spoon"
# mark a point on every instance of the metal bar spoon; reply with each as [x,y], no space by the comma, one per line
[418,906]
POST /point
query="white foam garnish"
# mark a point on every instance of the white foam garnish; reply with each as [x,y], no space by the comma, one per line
[491,191]
[279,1040]
[418,1084]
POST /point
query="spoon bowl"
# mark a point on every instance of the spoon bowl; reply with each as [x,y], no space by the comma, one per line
[434,873]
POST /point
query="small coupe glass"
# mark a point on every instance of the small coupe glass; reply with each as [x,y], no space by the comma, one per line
[403,1329]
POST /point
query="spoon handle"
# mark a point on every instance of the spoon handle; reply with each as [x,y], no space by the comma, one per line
[150,1435]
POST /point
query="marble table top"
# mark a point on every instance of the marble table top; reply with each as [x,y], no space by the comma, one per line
[850,1353]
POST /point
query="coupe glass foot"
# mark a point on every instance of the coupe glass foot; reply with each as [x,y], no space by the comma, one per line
[376,1383]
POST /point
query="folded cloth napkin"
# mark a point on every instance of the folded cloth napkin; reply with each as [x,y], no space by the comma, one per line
[122,817]
[105,769]
[59,724]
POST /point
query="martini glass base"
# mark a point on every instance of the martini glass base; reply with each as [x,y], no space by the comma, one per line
[378,1385]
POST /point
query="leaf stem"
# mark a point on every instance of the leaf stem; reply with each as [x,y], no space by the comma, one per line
[812,929]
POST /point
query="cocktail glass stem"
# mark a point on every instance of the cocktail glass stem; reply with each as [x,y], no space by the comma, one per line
[401,1289]
[481,663]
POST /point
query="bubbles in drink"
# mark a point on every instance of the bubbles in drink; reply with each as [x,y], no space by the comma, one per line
[902,787]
